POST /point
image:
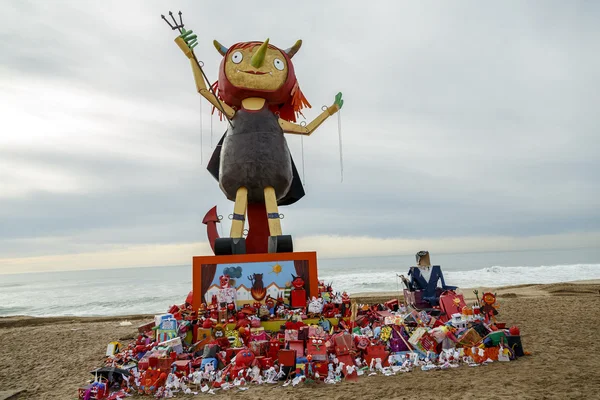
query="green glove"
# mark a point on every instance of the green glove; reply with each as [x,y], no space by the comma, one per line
[189,37]
[338,100]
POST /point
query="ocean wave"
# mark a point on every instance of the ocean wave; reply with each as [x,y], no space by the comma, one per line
[151,295]
[11,285]
[493,276]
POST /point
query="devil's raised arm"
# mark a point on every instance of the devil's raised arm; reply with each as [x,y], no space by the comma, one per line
[199,79]
[289,127]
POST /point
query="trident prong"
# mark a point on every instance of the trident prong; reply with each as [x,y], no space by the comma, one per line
[175,25]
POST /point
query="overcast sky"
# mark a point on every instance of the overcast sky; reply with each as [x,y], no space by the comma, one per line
[467,125]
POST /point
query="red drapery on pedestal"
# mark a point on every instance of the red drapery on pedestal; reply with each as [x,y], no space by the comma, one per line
[208,274]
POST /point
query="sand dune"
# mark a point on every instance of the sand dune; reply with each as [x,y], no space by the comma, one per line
[52,357]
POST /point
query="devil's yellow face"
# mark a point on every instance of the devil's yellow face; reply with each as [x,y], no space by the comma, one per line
[268,73]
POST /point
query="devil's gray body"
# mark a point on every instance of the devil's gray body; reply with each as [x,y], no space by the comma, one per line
[255,154]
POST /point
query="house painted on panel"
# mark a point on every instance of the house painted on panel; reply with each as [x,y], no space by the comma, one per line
[274,291]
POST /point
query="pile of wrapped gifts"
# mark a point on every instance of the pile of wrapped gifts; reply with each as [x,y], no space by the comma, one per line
[330,339]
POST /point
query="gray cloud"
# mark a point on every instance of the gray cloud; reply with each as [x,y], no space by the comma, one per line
[459,119]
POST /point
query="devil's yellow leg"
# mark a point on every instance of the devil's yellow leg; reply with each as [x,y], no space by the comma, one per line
[272,212]
[239,213]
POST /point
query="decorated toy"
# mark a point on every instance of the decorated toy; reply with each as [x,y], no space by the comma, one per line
[489,306]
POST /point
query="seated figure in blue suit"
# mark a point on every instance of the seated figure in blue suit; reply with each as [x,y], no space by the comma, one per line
[428,284]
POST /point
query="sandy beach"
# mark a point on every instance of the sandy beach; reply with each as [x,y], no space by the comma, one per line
[49,358]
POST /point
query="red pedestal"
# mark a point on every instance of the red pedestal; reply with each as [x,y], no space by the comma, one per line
[298,298]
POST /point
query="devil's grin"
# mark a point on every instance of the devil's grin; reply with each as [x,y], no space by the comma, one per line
[255,72]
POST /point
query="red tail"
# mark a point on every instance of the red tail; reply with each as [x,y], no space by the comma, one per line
[211,219]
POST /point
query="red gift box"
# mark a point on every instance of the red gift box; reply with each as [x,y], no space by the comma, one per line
[322,368]
[298,346]
[264,362]
[146,327]
[287,358]
[143,364]
[164,364]
[152,361]
[392,304]
[260,348]
[362,342]
[377,351]
[344,344]
[183,366]
[347,360]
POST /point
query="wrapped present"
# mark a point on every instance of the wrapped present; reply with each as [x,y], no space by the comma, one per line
[175,344]
[264,362]
[146,327]
[168,324]
[287,358]
[202,336]
[291,334]
[416,336]
[303,333]
[164,363]
[259,347]
[297,346]
[344,344]
[494,339]
[143,364]
[470,337]
[377,351]
[397,344]
[362,342]
[427,342]
[183,366]
[163,335]
[316,332]
[450,303]
[159,318]
[392,304]
[258,334]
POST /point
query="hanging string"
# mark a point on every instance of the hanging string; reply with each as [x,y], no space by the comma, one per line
[201,147]
[340,139]
[302,144]
[303,123]
[211,132]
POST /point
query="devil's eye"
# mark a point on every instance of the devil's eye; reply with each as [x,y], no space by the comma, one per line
[279,64]
[237,57]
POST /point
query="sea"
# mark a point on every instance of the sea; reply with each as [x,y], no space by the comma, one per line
[152,290]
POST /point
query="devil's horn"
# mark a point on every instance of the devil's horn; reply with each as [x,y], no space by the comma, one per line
[220,48]
[294,49]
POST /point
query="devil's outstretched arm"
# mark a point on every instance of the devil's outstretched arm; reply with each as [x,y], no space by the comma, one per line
[290,127]
[200,83]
